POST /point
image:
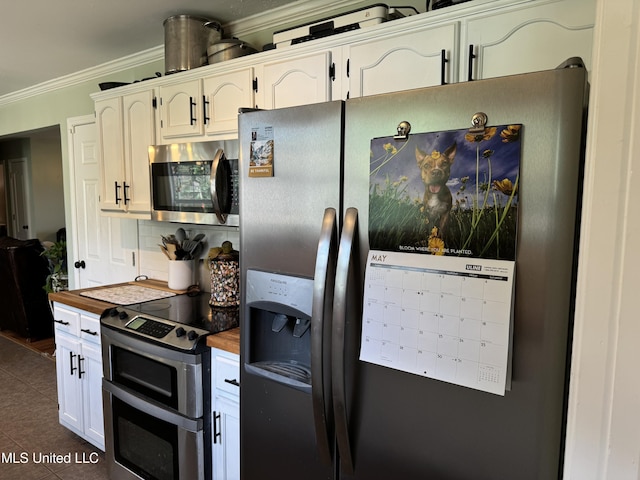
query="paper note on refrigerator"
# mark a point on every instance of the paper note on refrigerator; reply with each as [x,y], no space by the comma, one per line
[447,318]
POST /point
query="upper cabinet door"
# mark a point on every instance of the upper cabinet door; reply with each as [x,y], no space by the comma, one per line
[403,61]
[296,81]
[139,133]
[181,110]
[109,125]
[225,93]
[528,39]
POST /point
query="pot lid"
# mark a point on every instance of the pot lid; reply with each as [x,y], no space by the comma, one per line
[226,43]
[204,20]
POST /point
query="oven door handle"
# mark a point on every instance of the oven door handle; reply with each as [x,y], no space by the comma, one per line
[149,407]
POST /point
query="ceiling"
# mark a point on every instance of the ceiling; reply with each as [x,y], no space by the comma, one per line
[41,40]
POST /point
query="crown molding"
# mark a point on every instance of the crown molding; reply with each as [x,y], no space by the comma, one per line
[295,12]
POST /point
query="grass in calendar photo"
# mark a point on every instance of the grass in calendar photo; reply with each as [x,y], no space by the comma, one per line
[446,193]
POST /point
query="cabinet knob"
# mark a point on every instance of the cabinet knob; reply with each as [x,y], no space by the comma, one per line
[80,264]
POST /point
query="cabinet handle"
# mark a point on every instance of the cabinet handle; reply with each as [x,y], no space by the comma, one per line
[192,105]
[125,190]
[217,430]
[205,104]
[443,63]
[80,371]
[90,332]
[471,57]
[232,381]
[72,368]
[118,199]
[61,322]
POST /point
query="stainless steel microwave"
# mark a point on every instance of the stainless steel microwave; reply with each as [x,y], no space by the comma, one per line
[195,182]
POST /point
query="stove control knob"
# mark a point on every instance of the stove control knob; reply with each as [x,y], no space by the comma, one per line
[122,315]
[192,335]
[180,332]
[113,312]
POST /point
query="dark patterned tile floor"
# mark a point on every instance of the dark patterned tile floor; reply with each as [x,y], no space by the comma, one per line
[33,444]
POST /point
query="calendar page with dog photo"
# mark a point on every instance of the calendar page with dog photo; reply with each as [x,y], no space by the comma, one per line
[446,193]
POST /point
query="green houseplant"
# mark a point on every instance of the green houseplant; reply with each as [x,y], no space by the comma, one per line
[58,278]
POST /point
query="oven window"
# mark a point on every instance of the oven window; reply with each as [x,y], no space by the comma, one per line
[146,376]
[145,445]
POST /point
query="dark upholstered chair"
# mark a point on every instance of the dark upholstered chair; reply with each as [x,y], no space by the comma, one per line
[23,273]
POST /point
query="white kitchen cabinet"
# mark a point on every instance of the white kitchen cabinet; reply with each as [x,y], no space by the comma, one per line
[205,108]
[139,133]
[295,80]
[403,60]
[126,128]
[79,372]
[530,37]
[181,108]
[480,39]
[225,399]
[225,93]
[110,152]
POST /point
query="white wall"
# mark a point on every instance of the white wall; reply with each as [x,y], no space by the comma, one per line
[603,437]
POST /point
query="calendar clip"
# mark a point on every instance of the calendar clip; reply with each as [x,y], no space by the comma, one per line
[478,122]
[404,128]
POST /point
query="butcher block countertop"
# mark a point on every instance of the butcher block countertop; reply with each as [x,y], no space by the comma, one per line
[74,299]
[228,340]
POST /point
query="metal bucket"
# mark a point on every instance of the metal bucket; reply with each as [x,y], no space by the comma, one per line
[186,39]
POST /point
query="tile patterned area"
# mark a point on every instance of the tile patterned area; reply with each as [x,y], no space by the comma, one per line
[30,434]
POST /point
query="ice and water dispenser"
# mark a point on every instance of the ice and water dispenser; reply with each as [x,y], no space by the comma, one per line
[278,309]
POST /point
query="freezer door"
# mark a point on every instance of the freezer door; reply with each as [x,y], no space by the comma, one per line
[412,427]
[288,233]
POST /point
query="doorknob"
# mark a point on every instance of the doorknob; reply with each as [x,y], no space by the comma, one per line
[80,264]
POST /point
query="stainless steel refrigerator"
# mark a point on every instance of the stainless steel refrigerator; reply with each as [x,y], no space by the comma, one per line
[310,408]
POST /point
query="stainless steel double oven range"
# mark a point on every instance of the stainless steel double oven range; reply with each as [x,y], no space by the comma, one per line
[156,387]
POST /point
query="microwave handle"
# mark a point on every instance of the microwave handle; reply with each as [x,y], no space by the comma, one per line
[219,157]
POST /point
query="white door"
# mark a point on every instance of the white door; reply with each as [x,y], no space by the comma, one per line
[226,93]
[538,37]
[69,387]
[19,207]
[91,365]
[403,61]
[181,110]
[107,246]
[295,81]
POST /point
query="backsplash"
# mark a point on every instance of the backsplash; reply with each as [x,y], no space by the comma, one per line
[154,264]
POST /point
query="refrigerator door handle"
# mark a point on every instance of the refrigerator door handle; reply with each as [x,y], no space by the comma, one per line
[321,317]
[347,262]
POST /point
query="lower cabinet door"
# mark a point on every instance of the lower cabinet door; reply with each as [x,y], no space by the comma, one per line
[226,439]
[69,385]
[91,364]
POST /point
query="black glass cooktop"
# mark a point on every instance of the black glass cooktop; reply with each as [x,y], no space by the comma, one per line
[189,310]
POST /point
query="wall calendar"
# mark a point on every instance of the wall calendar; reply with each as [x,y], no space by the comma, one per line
[442,317]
